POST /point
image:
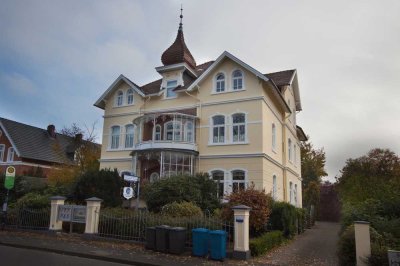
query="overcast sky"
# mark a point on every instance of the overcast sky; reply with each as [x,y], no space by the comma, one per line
[58,57]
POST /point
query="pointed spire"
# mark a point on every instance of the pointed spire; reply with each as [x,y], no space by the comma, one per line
[178,51]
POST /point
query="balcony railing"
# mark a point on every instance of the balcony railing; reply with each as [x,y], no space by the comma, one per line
[165,144]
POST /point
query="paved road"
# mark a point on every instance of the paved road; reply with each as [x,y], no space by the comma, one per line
[10,256]
[317,246]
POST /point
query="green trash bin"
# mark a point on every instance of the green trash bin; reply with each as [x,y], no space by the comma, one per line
[200,242]
[217,245]
[162,241]
[177,239]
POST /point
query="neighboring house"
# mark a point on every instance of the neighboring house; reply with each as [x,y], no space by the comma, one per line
[29,148]
[222,117]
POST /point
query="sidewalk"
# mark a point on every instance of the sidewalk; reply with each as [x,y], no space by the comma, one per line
[107,250]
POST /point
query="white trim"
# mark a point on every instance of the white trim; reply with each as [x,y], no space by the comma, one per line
[116,98]
[211,131]
[127,97]
[214,90]
[10,140]
[109,146]
[27,164]
[3,152]
[126,134]
[178,66]
[121,159]
[243,80]
[231,124]
[10,159]
[166,89]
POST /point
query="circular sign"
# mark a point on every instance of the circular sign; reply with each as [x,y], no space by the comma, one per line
[10,170]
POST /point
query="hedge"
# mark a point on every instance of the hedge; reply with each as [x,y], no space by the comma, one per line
[267,241]
[283,218]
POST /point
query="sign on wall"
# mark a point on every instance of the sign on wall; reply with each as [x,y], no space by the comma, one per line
[72,213]
[127,192]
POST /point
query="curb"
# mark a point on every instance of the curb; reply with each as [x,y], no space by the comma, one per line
[77,254]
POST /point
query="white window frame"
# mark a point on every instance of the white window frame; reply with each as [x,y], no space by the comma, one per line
[274,187]
[218,126]
[218,82]
[290,149]
[126,136]
[238,125]
[290,192]
[130,97]
[10,154]
[174,130]
[295,154]
[239,181]
[118,140]
[237,78]
[2,151]
[119,99]
[273,129]
[189,132]
[157,133]
[175,95]
[223,181]
[295,194]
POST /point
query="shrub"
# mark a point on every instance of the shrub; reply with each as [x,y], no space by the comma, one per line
[104,184]
[265,242]
[182,209]
[301,220]
[259,202]
[199,189]
[284,218]
[33,200]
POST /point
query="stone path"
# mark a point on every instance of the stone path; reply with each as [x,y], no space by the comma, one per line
[316,246]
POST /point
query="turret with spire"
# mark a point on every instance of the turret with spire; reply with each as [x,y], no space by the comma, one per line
[178,51]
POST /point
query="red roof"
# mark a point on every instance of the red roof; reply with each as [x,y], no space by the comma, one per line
[178,52]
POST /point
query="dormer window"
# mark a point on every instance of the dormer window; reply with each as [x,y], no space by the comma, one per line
[119,98]
[10,154]
[220,83]
[171,85]
[237,80]
[129,97]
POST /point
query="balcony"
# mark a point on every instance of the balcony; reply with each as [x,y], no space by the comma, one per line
[166,131]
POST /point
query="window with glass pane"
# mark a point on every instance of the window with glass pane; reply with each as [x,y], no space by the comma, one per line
[237,80]
[115,132]
[176,163]
[173,131]
[273,136]
[171,85]
[157,133]
[10,154]
[291,192]
[220,83]
[218,177]
[218,129]
[189,131]
[274,188]
[295,194]
[238,180]
[129,129]
[120,98]
[294,153]
[290,149]
[130,96]
[2,150]
[239,127]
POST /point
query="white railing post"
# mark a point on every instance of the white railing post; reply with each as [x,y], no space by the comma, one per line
[92,215]
[55,224]
[241,248]
[363,242]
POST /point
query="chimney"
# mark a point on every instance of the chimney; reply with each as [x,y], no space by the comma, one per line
[51,130]
[78,137]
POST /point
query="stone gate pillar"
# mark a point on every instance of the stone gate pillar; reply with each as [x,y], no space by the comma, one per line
[55,224]
[241,248]
[92,215]
[363,242]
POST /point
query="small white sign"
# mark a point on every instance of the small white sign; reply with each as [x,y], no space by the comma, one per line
[131,178]
[128,192]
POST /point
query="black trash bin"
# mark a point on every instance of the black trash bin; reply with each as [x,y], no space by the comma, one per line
[151,238]
[177,239]
[162,240]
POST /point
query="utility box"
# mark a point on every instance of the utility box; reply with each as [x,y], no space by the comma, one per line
[177,239]
[217,245]
[151,238]
[162,238]
[200,242]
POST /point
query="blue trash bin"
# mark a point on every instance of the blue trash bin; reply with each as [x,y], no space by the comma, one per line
[200,242]
[218,245]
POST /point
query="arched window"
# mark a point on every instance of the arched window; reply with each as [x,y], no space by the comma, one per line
[218,177]
[290,192]
[2,150]
[273,136]
[189,131]
[238,180]
[237,80]
[129,136]
[218,127]
[274,188]
[115,133]
[119,98]
[220,83]
[157,132]
[173,131]
[10,154]
[290,149]
[129,96]
[238,127]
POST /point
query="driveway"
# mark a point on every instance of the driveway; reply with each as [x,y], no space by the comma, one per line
[316,246]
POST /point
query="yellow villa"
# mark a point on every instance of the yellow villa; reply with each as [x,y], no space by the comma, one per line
[221,117]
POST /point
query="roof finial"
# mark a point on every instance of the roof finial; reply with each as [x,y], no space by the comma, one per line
[181,16]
